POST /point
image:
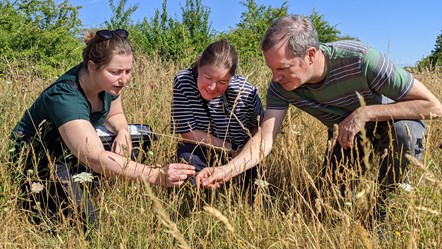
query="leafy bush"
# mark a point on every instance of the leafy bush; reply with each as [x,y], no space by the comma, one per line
[40,32]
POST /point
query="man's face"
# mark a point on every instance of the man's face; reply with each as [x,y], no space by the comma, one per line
[287,70]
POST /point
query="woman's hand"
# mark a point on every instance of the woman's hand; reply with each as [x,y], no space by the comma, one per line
[177,173]
[122,144]
[213,177]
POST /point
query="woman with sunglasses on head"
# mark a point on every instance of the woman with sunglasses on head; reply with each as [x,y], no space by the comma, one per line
[214,109]
[56,137]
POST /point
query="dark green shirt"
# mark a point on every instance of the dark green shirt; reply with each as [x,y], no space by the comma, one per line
[352,68]
[61,102]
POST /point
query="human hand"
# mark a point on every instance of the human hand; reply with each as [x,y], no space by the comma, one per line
[177,173]
[213,177]
[122,144]
[349,127]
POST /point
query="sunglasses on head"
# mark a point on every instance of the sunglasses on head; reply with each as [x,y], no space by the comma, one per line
[105,34]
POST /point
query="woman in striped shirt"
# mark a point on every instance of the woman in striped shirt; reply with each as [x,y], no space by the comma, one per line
[214,110]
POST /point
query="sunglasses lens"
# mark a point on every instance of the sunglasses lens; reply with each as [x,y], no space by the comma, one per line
[121,33]
[105,34]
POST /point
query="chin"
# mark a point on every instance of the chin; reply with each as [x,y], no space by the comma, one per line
[207,97]
[114,93]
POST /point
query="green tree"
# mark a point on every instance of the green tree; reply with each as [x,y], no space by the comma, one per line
[39,32]
[121,17]
[249,31]
[434,60]
[172,39]
[196,21]
[326,32]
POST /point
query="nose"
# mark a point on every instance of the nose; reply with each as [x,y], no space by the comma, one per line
[124,78]
[212,86]
[276,77]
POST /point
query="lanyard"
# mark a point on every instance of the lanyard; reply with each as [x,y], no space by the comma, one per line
[227,113]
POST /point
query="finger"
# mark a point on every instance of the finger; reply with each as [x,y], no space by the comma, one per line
[188,172]
[179,166]
[197,182]
[208,181]
[115,148]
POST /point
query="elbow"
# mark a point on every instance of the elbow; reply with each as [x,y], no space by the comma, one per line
[94,162]
[436,112]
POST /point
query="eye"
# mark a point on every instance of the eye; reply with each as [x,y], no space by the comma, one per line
[284,68]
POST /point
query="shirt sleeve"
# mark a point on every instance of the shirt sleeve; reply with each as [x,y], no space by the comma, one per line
[385,77]
[63,103]
[182,119]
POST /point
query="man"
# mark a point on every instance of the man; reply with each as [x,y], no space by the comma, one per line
[325,81]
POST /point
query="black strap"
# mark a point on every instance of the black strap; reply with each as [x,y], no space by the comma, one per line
[227,113]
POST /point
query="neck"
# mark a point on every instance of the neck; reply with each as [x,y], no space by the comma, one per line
[320,68]
[86,85]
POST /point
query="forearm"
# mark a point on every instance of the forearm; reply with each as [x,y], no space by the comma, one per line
[251,154]
[205,139]
[113,165]
[116,123]
[417,109]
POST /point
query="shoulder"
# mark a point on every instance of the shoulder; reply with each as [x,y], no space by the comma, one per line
[344,49]
[184,78]
[61,89]
[185,74]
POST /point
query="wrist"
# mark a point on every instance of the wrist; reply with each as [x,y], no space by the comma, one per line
[231,170]
[152,175]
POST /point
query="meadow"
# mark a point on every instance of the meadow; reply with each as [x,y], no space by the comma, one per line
[136,215]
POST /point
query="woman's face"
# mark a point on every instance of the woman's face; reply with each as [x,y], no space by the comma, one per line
[114,76]
[212,81]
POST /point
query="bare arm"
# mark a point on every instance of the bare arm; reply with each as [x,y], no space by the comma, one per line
[205,139]
[116,123]
[419,103]
[81,138]
[258,147]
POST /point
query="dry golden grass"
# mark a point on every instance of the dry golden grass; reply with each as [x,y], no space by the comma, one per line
[133,215]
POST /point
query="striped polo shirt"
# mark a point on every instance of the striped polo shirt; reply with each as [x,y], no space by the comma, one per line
[352,67]
[188,112]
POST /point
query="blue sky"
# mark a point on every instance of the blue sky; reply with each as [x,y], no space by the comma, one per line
[404,30]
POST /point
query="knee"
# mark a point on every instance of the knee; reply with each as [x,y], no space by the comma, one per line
[409,136]
[185,156]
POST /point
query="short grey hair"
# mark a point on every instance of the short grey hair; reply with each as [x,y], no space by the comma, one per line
[298,29]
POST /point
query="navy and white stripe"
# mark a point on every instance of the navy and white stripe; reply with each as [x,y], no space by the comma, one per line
[188,112]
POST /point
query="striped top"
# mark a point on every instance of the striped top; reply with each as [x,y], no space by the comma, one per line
[188,112]
[352,67]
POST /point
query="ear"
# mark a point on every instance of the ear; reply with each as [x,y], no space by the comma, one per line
[91,66]
[312,53]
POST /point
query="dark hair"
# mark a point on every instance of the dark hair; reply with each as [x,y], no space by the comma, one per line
[101,51]
[298,29]
[220,53]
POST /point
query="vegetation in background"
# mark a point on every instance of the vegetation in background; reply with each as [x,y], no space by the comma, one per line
[40,39]
[121,17]
[434,60]
[38,32]
[49,35]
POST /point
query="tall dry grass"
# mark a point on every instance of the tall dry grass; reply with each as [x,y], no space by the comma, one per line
[133,215]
